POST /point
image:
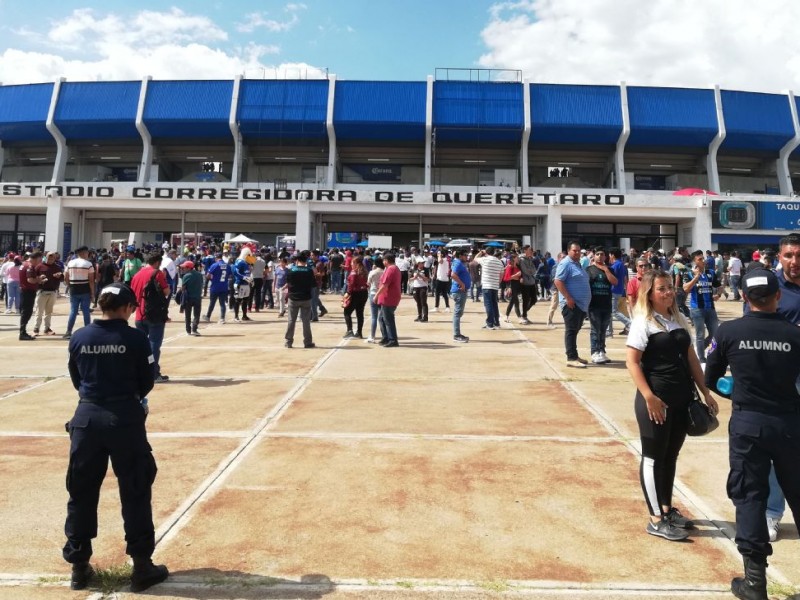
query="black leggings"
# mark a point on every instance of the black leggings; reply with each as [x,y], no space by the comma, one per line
[421,297]
[513,302]
[442,289]
[357,302]
[661,445]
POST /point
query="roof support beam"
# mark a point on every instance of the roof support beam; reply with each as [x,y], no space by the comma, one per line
[711,160]
[428,136]
[332,151]
[233,123]
[60,166]
[784,176]
[619,156]
[147,141]
[526,134]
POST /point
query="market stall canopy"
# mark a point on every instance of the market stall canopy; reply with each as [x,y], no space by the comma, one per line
[241,239]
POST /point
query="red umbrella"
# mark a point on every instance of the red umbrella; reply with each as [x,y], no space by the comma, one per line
[694,192]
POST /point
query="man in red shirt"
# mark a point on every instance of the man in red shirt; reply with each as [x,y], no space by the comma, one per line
[152,327]
[632,291]
[388,297]
[29,282]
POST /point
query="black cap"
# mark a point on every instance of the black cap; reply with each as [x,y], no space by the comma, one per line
[759,283]
[123,293]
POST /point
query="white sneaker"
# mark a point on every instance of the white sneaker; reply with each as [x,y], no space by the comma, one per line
[447,310]
[772,527]
[237,320]
[222,321]
[604,357]
[550,325]
[435,309]
[369,340]
[206,319]
[597,358]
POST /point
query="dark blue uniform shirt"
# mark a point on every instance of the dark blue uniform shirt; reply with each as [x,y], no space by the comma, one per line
[763,350]
[110,359]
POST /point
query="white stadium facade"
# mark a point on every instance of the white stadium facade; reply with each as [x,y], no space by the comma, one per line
[463,154]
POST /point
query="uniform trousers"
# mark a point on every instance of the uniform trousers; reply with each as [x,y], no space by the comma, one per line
[98,433]
[757,440]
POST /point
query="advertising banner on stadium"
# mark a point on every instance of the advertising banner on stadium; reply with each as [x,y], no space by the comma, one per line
[745,214]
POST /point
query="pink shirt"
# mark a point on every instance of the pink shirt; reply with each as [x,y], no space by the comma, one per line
[14,273]
[390,281]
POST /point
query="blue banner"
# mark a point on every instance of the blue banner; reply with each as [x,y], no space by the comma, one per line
[342,240]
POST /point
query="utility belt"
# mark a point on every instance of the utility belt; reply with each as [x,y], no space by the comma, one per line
[126,398]
[765,411]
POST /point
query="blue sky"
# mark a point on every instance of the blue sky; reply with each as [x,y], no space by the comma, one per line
[354,39]
[738,44]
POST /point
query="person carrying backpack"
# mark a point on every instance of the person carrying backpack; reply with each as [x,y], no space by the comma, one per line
[152,293]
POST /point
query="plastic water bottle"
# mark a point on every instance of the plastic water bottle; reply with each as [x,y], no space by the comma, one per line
[725,385]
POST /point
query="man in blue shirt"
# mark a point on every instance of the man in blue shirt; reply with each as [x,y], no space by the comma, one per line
[461,282]
[218,274]
[574,293]
[700,283]
[619,304]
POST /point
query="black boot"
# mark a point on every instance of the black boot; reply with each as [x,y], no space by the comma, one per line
[146,574]
[753,586]
[82,573]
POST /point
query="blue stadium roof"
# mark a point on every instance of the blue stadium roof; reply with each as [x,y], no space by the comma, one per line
[101,111]
[575,114]
[753,121]
[671,117]
[283,109]
[188,109]
[380,110]
[477,112]
[23,112]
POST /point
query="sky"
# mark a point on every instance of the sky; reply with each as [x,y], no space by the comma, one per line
[737,44]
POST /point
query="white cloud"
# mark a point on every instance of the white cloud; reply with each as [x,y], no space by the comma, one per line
[261,21]
[87,46]
[739,44]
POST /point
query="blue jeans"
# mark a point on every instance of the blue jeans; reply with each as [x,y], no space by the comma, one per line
[736,285]
[154,333]
[12,296]
[316,306]
[375,311]
[573,321]
[336,281]
[616,313]
[475,292]
[600,321]
[776,502]
[388,326]
[82,302]
[492,308]
[702,319]
[459,300]
[223,300]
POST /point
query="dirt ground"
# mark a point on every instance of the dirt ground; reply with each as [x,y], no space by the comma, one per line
[431,470]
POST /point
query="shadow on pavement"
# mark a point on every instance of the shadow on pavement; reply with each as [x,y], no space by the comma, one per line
[233,585]
[211,383]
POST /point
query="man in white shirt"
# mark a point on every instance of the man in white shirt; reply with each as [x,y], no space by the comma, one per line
[170,269]
[735,272]
[79,278]
[404,264]
[491,275]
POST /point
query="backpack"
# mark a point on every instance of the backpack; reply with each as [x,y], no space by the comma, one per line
[156,305]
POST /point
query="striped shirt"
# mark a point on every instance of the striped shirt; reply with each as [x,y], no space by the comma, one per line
[79,271]
[491,272]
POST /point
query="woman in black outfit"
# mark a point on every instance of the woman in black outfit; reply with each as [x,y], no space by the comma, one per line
[665,369]
[358,292]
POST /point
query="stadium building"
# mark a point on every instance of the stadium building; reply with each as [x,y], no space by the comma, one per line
[467,153]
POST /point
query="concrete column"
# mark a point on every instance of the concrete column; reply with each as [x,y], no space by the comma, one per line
[302,231]
[553,230]
[62,153]
[784,176]
[57,216]
[233,124]
[713,148]
[701,232]
[93,233]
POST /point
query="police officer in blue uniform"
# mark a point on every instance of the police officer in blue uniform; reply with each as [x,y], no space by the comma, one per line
[762,349]
[110,364]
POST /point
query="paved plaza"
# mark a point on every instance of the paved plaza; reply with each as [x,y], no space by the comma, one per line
[432,470]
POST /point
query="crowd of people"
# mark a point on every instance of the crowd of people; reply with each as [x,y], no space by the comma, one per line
[676,349]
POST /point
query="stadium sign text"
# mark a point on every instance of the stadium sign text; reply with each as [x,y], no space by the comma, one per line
[178,192]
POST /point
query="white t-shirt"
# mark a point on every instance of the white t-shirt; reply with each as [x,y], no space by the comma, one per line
[443,270]
[418,279]
[735,266]
[168,265]
[642,328]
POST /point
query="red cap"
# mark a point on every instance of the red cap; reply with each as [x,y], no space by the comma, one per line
[187,264]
